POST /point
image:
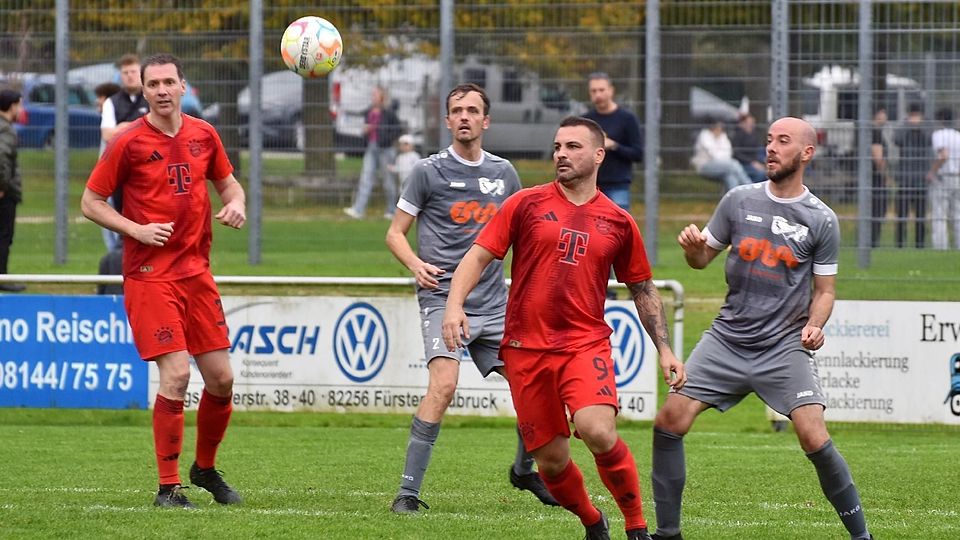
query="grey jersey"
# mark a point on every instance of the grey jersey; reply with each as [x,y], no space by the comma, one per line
[777,246]
[452,199]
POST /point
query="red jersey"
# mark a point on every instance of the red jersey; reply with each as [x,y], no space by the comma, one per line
[163,180]
[561,263]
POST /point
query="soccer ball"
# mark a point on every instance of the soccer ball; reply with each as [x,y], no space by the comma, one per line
[311,47]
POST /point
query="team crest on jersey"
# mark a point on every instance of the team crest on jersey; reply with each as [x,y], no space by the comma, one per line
[195,147]
[602,224]
[789,231]
[491,187]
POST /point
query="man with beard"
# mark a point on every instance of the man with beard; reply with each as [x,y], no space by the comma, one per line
[556,344]
[451,195]
[781,272]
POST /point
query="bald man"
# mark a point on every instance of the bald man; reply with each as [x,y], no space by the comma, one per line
[780,270]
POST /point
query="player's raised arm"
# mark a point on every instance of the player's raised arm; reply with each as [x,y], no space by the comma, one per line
[465,278]
[650,310]
[695,248]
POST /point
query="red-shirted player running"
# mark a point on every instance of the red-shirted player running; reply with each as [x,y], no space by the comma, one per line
[556,344]
[163,161]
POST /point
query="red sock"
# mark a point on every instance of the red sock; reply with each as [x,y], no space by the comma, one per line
[213,415]
[168,438]
[569,490]
[618,471]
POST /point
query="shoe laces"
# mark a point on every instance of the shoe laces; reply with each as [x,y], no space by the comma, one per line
[212,476]
[416,500]
[175,494]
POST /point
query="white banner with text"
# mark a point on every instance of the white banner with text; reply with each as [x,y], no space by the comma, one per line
[342,354]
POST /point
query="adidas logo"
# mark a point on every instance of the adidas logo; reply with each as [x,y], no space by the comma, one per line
[155,156]
[605,391]
[549,216]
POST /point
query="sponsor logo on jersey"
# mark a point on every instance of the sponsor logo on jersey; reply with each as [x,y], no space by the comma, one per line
[155,156]
[626,343]
[789,231]
[360,342]
[549,216]
[752,249]
[178,176]
[465,211]
[573,246]
[458,185]
[491,187]
[805,393]
[755,219]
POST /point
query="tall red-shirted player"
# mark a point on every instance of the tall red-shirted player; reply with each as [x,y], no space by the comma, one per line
[556,344]
[163,161]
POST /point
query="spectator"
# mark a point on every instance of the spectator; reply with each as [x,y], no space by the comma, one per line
[622,140]
[117,111]
[913,140]
[881,156]
[748,150]
[944,179]
[713,157]
[105,91]
[10,185]
[407,158]
[382,128]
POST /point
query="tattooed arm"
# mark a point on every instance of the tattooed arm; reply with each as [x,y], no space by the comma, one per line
[650,310]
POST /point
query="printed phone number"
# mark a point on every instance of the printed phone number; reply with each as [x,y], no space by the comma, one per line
[66,376]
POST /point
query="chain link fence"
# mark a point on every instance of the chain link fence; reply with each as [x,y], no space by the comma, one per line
[718,62]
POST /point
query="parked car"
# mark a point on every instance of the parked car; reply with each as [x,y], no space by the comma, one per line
[35,125]
[94,74]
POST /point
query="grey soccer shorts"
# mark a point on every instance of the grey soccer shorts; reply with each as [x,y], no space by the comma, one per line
[486,331]
[784,376]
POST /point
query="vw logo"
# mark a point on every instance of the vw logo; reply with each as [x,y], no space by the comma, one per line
[360,342]
[626,343]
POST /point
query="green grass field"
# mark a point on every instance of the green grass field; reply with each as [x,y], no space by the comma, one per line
[89,474]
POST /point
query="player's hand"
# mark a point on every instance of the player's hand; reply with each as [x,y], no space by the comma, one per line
[233,214]
[154,234]
[812,338]
[424,274]
[674,373]
[456,327]
[691,239]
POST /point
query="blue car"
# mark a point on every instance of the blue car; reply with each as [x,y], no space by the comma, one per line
[954,395]
[35,125]
[92,75]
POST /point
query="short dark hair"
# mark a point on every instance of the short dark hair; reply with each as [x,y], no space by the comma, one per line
[464,89]
[8,97]
[595,130]
[599,76]
[106,89]
[159,60]
[128,60]
[945,115]
[915,108]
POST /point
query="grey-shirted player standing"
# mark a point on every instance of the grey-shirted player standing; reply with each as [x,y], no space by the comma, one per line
[783,239]
[452,195]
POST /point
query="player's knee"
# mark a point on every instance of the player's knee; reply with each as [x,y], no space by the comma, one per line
[442,391]
[221,385]
[673,420]
[598,438]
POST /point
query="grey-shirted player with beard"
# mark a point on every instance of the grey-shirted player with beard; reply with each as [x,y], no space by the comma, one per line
[451,195]
[781,272]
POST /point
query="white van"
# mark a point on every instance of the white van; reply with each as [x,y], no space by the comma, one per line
[524,113]
[829,101]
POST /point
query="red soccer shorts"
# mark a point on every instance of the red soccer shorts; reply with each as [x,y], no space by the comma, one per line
[169,316]
[545,385]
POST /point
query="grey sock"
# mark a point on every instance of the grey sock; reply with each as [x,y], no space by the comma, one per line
[419,448]
[669,475]
[523,463]
[837,485]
